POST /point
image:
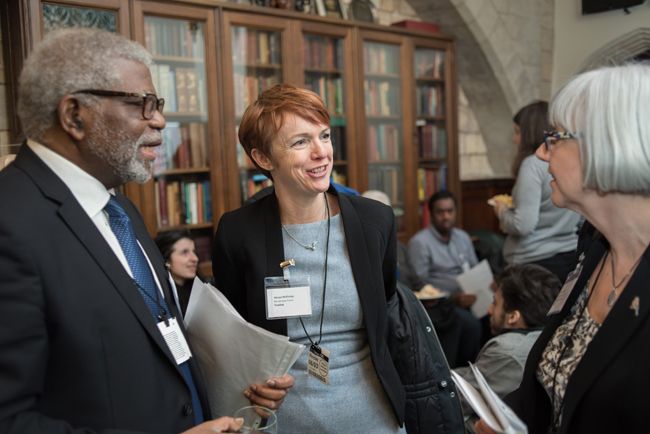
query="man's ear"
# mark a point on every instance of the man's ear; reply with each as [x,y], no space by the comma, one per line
[69,116]
[262,160]
[513,318]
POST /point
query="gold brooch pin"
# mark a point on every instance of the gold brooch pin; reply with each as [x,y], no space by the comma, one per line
[635,305]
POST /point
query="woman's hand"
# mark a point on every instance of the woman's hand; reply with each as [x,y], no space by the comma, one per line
[223,424]
[270,394]
[481,428]
[499,208]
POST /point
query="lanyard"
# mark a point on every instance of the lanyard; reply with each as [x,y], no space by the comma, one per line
[322,309]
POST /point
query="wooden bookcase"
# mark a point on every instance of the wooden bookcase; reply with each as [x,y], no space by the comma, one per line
[186,190]
[391,93]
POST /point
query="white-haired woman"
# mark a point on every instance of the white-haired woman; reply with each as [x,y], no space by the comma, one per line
[588,371]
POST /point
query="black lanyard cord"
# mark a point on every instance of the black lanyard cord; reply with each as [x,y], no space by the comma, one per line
[322,309]
[162,316]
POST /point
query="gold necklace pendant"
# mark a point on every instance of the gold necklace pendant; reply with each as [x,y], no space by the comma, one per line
[613,295]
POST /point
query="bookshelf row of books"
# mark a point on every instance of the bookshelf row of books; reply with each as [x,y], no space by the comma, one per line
[169,37]
[387,179]
[255,47]
[252,183]
[182,88]
[330,89]
[430,101]
[384,142]
[181,202]
[183,147]
[322,53]
[248,88]
[381,98]
[430,64]
[433,141]
[430,180]
[381,59]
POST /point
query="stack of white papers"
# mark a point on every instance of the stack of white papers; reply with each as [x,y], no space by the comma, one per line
[477,281]
[488,406]
[232,353]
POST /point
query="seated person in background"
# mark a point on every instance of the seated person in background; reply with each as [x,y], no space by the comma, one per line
[440,252]
[523,294]
[181,260]
[437,254]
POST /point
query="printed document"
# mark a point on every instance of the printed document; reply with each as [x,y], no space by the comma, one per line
[477,281]
[232,352]
[488,406]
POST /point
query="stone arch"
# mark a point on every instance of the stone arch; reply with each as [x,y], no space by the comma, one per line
[619,50]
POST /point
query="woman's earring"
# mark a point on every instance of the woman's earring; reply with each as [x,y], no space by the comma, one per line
[167,266]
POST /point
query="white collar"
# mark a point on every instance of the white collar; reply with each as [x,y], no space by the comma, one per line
[91,194]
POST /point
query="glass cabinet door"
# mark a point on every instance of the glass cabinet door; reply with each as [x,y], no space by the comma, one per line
[109,15]
[384,118]
[429,69]
[182,194]
[257,66]
[324,73]
[182,172]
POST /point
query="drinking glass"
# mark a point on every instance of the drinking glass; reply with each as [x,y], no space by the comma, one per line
[258,420]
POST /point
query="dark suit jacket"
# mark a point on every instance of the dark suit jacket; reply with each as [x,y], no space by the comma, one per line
[607,392]
[78,345]
[248,247]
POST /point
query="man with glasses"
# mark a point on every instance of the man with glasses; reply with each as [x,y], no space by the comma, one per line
[90,338]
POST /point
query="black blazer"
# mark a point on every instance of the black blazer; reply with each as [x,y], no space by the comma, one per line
[78,345]
[248,247]
[607,392]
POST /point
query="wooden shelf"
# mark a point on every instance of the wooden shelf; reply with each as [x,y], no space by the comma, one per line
[178,59]
[182,171]
[231,69]
[185,226]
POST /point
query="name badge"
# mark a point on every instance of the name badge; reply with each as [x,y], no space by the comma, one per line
[562,297]
[175,340]
[318,363]
[287,299]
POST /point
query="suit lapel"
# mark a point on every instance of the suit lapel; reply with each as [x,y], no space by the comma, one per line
[613,335]
[86,232]
[271,255]
[359,261]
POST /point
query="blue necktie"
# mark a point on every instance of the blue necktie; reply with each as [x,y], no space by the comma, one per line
[123,230]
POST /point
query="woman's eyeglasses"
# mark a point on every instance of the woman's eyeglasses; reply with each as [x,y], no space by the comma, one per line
[150,102]
[552,137]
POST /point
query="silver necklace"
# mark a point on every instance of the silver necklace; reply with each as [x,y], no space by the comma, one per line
[613,294]
[313,244]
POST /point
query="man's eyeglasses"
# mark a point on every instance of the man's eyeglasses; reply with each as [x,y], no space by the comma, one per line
[150,102]
[552,137]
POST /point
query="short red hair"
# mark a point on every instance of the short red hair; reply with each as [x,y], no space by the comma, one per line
[263,119]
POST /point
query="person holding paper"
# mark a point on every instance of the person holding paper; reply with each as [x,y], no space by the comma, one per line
[90,338]
[522,296]
[537,231]
[437,254]
[317,266]
[588,371]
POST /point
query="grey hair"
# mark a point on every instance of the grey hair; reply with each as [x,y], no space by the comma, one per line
[65,61]
[609,110]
